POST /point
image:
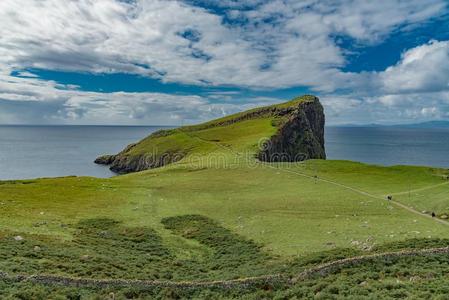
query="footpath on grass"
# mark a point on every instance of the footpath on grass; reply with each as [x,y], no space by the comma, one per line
[361,192]
[394,202]
[248,282]
[420,189]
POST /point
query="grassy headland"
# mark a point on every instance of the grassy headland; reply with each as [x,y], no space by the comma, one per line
[219,213]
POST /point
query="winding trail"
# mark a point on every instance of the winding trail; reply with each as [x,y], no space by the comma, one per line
[394,202]
[318,270]
[361,192]
[430,187]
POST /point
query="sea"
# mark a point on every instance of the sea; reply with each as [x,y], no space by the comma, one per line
[50,151]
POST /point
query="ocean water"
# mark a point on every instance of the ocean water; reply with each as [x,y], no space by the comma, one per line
[389,145]
[49,151]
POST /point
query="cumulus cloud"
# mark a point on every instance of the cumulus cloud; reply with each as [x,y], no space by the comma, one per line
[151,37]
[255,44]
[421,69]
[142,37]
[387,109]
[415,89]
[32,100]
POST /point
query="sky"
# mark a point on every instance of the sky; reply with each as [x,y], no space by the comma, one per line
[164,62]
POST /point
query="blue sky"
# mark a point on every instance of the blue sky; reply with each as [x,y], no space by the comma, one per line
[164,62]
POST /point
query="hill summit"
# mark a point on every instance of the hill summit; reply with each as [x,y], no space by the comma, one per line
[290,131]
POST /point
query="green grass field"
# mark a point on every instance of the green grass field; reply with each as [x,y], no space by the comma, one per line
[219,214]
[287,213]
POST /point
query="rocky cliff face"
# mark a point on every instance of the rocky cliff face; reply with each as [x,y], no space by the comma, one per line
[300,136]
[123,163]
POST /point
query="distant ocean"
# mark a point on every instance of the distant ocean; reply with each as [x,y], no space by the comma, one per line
[48,151]
[389,145]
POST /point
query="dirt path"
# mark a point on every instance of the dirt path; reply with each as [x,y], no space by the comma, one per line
[361,192]
[421,189]
[319,270]
[396,203]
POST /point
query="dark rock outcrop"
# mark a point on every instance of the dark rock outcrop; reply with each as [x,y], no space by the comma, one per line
[123,163]
[300,136]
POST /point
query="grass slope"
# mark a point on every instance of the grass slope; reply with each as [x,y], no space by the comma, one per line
[220,214]
[241,131]
[288,214]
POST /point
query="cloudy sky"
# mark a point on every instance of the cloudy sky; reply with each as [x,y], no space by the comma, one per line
[176,62]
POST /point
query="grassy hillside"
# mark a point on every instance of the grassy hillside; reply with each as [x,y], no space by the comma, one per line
[222,214]
[241,136]
[241,132]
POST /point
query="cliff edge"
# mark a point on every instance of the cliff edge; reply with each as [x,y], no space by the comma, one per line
[290,131]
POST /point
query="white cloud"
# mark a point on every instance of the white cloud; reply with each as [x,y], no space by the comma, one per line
[337,105]
[145,37]
[178,42]
[31,100]
[111,36]
[421,69]
[387,109]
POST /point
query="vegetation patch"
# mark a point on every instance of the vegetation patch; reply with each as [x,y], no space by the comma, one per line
[382,277]
[232,254]
[101,248]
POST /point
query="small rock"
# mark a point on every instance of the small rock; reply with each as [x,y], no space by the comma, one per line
[85,257]
[38,224]
[366,247]
[37,248]
[363,283]
[444,217]
[18,238]
[415,278]
[103,233]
